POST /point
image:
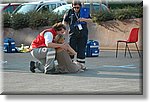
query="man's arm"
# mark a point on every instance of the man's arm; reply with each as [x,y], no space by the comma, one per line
[88,20]
[67,28]
[55,45]
[48,41]
[70,50]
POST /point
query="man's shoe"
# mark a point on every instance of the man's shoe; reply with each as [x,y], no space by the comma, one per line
[83,66]
[32,66]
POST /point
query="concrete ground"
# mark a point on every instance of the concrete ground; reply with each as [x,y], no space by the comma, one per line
[105,75]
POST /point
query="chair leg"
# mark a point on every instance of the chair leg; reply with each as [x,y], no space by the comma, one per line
[125,50]
[117,49]
[138,50]
[129,51]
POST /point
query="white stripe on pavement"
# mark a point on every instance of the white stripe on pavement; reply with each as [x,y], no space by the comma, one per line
[122,66]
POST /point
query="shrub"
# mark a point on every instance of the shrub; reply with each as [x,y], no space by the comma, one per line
[31,19]
[19,21]
[98,17]
[6,20]
[120,14]
[128,13]
[40,19]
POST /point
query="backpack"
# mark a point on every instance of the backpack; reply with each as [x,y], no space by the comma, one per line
[9,45]
[92,49]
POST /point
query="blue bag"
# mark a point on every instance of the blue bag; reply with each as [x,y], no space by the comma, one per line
[9,45]
[84,12]
[92,49]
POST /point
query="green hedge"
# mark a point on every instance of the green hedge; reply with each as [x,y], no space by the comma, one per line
[19,21]
[99,17]
[6,20]
[32,20]
[38,19]
[128,13]
[42,19]
[119,14]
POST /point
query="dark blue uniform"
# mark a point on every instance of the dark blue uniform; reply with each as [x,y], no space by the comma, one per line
[78,38]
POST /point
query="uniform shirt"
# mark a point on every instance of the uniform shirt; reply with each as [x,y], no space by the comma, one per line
[72,17]
[48,38]
[47,34]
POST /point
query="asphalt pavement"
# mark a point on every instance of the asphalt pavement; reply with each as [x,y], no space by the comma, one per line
[106,75]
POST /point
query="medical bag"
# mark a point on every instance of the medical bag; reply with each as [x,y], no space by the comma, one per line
[9,45]
[92,49]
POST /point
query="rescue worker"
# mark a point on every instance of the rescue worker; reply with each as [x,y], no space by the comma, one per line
[78,30]
[43,49]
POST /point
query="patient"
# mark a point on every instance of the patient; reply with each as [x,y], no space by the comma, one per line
[65,63]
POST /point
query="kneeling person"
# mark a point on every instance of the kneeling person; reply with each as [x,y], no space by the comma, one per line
[43,49]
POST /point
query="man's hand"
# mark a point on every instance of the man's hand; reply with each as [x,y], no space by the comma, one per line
[64,46]
[85,20]
[82,19]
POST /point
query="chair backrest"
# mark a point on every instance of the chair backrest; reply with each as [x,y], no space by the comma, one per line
[133,35]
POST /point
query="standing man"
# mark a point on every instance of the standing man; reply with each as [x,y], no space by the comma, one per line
[43,49]
[78,30]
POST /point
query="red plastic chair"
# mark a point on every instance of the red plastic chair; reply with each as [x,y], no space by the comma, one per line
[133,38]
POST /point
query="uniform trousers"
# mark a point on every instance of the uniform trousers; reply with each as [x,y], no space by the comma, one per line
[46,57]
